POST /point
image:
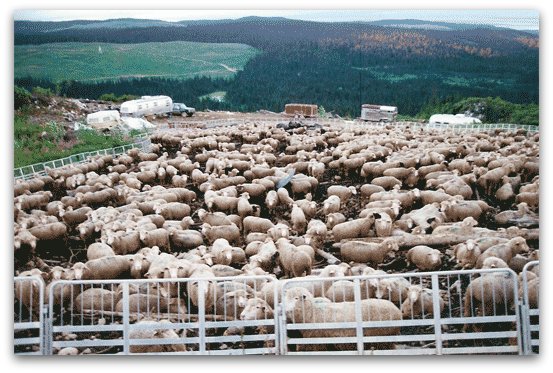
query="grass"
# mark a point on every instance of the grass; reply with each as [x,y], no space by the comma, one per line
[35,143]
[103,61]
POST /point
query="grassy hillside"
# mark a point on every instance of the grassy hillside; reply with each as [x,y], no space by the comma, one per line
[103,61]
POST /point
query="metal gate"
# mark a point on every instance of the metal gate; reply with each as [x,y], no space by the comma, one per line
[28,325]
[432,313]
[163,316]
[530,307]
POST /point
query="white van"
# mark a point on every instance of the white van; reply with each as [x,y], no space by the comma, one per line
[147,105]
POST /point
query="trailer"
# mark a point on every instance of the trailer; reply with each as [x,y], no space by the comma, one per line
[307,110]
[147,105]
[453,119]
[103,120]
[378,113]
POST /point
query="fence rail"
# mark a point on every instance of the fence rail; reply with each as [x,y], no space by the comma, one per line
[432,313]
[39,169]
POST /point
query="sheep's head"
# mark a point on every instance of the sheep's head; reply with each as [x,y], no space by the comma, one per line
[298,305]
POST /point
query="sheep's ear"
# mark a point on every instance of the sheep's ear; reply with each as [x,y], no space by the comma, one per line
[304,296]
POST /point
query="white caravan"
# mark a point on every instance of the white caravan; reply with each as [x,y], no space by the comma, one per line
[147,105]
[378,113]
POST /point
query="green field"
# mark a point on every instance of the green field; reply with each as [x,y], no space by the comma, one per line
[103,61]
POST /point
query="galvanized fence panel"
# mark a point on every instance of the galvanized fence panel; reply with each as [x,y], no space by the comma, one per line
[28,316]
[453,312]
[39,169]
[530,307]
[162,316]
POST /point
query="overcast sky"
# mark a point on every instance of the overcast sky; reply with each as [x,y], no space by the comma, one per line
[516,19]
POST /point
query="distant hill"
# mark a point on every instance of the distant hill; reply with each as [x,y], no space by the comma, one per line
[339,65]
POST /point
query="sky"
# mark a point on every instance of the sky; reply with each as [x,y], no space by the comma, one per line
[516,18]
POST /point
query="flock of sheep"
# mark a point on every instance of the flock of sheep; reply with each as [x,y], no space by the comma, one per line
[259,200]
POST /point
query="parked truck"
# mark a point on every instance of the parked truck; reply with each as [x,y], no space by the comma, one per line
[147,105]
[378,113]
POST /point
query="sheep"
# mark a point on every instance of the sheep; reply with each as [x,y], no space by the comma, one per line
[152,304]
[24,238]
[256,309]
[331,205]
[368,252]
[456,210]
[466,254]
[424,258]
[301,307]
[185,239]
[504,251]
[308,207]
[213,218]
[157,336]
[222,251]
[271,200]
[74,217]
[393,289]
[266,257]
[293,261]
[353,228]
[95,299]
[487,295]
[202,274]
[98,250]
[244,207]
[420,303]
[344,193]
[107,268]
[299,222]
[386,182]
[51,231]
[284,197]
[157,237]
[494,262]
[230,232]
[255,224]
[505,192]
[532,199]
[28,292]
[173,210]
[221,270]
[124,242]
[342,291]
[383,224]
[334,219]
[231,304]
[278,231]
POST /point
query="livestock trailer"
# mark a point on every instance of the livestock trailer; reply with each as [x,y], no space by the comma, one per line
[103,120]
[378,113]
[147,105]
[307,110]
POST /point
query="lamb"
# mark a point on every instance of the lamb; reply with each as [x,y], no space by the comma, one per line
[424,257]
[420,303]
[368,252]
[157,237]
[293,261]
[504,251]
[466,254]
[353,228]
[230,232]
[98,250]
[158,336]
[302,307]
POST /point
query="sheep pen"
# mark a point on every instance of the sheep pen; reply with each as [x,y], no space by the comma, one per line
[255,202]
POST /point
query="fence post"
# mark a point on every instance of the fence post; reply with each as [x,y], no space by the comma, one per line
[437,317]
[358,315]
[126,335]
[201,315]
